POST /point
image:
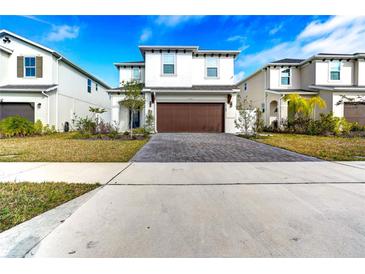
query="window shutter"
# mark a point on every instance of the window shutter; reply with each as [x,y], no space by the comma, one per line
[20,67]
[39,66]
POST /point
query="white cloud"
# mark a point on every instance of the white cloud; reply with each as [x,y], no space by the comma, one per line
[239,76]
[276,29]
[238,38]
[60,33]
[176,20]
[145,35]
[338,34]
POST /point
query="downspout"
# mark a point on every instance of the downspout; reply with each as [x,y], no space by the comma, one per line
[57,79]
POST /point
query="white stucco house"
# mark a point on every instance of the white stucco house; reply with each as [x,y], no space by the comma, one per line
[38,83]
[331,76]
[187,89]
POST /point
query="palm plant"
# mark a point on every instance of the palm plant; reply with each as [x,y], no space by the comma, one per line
[304,106]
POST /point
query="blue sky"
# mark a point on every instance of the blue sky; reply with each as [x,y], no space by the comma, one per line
[96,42]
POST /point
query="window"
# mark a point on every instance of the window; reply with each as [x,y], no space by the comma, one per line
[335,70]
[168,63]
[136,74]
[212,66]
[88,85]
[96,86]
[29,66]
[245,86]
[285,77]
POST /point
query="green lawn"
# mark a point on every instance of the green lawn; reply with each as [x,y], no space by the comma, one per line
[327,148]
[22,201]
[61,147]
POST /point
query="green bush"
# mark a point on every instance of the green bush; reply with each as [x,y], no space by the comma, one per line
[357,127]
[47,130]
[16,126]
[139,130]
[38,127]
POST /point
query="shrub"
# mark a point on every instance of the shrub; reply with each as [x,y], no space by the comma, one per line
[47,130]
[38,127]
[357,127]
[84,125]
[150,122]
[16,126]
[139,130]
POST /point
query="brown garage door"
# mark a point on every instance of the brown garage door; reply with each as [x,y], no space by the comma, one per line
[25,110]
[355,112]
[190,117]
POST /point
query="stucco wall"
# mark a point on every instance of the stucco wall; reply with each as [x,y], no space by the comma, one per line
[125,74]
[275,80]
[225,71]
[255,89]
[40,112]
[361,73]
[120,114]
[74,98]
[307,75]
[21,48]
[323,75]
[153,68]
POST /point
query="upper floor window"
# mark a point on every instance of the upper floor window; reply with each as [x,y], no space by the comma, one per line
[96,86]
[168,63]
[88,85]
[335,70]
[245,86]
[29,67]
[211,64]
[136,74]
[285,77]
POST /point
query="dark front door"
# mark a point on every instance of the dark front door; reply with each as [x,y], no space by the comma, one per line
[190,117]
[355,112]
[136,118]
[25,110]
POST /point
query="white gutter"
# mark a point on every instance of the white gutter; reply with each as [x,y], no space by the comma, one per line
[44,93]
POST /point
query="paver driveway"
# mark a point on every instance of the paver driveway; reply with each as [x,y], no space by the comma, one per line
[212,147]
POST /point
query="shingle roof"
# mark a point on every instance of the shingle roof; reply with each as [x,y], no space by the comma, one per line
[288,61]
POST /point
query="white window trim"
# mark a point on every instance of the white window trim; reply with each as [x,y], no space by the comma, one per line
[175,65]
[91,85]
[132,73]
[329,72]
[290,77]
[35,67]
[206,69]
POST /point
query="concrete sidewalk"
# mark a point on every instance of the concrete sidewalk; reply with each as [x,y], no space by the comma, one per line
[60,172]
[215,210]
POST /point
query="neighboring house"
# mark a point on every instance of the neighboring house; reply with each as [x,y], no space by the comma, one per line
[187,89]
[331,76]
[38,83]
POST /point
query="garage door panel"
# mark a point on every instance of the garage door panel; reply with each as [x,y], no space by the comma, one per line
[25,110]
[355,113]
[190,117]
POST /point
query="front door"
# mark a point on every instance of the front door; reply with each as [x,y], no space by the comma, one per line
[136,118]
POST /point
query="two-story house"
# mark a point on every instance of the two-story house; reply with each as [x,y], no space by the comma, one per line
[36,82]
[339,79]
[185,88]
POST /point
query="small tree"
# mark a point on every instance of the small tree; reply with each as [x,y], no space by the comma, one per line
[96,112]
[247,116]
[133,100]
[150,122]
